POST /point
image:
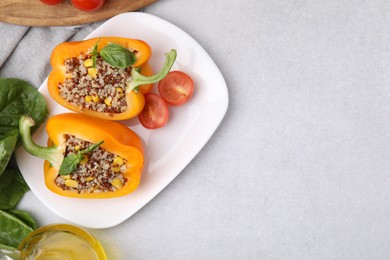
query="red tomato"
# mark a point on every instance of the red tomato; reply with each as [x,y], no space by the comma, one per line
[51,2]
[155,113]
[176,88]
[87,5]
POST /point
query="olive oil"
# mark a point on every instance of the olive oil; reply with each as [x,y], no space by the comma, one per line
[61,242]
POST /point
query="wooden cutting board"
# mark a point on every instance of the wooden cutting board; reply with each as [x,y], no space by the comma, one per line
[35,13]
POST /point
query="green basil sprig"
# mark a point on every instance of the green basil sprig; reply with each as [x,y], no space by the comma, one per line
[95,53]
[72,160]
[117,56]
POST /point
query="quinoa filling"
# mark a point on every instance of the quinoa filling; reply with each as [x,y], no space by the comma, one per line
[99,171]
[101,88]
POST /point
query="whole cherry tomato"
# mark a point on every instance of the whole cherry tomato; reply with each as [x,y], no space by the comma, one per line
[51,2]
[87,5]
[155,113]
[176,88]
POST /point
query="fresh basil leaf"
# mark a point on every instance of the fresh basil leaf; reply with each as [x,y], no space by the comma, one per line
[69,164]
[91,148]
[117,56]
[12,188]
[23,216]
[7,146]
[72,160]
[95,53]
[13,230]
[17,98]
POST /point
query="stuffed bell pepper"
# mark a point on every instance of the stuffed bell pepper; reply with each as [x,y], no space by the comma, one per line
[104,77]
[87,157]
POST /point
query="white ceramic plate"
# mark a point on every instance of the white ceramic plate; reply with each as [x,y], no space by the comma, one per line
[168,149]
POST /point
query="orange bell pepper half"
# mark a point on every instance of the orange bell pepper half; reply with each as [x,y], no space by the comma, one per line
[139,77]
[123,165]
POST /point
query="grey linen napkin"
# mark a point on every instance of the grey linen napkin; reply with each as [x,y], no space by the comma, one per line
[25,51]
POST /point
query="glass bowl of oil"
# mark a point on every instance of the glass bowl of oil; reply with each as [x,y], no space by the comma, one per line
[61,241]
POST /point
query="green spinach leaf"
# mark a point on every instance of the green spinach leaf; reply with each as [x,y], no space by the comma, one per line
[17,98]
[24,216]
[7,146]
[12,188]
[13,230]
[7,247]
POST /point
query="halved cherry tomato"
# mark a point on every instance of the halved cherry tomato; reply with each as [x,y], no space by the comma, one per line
[176,88]
[51,2]
[87,5]
[155,113]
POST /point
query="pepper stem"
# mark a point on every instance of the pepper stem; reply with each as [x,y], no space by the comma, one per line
[52,154]
[138,79]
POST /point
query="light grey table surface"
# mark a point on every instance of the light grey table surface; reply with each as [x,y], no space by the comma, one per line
[299,167]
